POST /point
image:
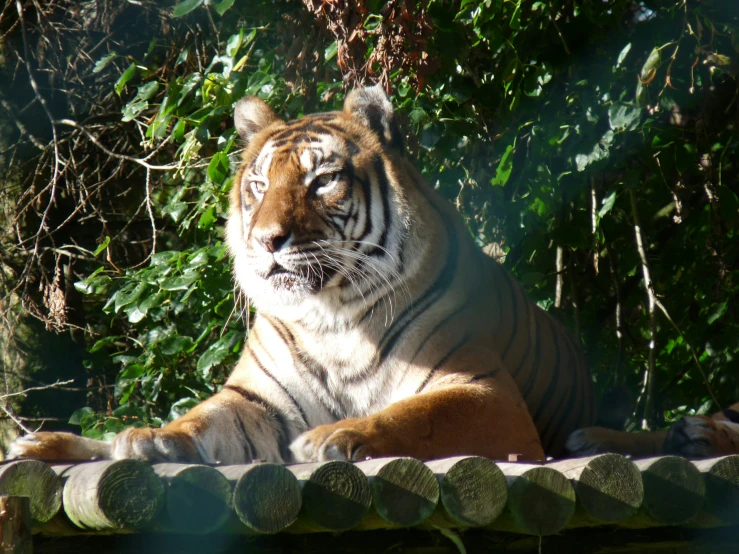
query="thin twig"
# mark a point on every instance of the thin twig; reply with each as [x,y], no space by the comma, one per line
[24,392]
[692,352]
[647,392]
[97,143]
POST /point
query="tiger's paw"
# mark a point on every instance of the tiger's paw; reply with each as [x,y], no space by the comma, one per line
[338,441]
[58,446]
[591,441]
[155,445]
[702,437]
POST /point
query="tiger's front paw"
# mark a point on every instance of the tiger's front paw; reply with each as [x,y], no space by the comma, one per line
[156,445]
[339,441]
[702,437]
[58,446]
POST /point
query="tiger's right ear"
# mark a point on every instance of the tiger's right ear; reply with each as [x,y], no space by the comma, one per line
[251,115]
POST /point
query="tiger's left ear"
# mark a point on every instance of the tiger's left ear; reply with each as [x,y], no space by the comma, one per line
[371,107]
[251,115]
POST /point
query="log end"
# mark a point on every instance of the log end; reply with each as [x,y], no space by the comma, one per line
[722,489]
[541,501]
[267,498]
[130,494]
[404,492]
[336,496]
[198,500]
[473,491]
[37,481]
[673,490]
[610,488]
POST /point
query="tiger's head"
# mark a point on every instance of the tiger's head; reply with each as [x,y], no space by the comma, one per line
[318,217]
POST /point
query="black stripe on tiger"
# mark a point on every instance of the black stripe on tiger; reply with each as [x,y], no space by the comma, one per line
[453,350]
[263,368]
[283,442]
[427,299]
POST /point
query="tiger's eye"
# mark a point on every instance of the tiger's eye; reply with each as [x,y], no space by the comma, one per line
[258,187]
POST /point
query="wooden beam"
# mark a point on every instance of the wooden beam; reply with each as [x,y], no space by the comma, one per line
[38,482]
[197,498]
[721,477]
[336,496]
[473,492]
[15,525]
[266,496]
[608,487]
[673,490]
[541,500]
[404,492]
[112,494]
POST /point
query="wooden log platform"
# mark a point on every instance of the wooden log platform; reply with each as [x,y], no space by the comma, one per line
[447,496]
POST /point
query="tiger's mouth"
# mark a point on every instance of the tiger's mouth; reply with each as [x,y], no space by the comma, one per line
[304,277]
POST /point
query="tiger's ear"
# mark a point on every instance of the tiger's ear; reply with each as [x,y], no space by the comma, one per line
[251,115]
[371,107]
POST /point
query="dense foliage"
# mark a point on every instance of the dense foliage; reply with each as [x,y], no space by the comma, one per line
[591,144]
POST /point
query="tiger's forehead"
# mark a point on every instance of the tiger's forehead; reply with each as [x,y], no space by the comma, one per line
[303,150]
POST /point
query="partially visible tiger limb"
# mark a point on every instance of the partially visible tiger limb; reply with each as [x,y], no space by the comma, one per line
[692,436]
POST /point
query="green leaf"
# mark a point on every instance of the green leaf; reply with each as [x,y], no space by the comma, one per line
[103,62]
[717,312]
[133,371]
[175,211]
[125,298]
[182,406]
[180,283]
[223,6]
[505,167]
[102,246]
[123,79]
[218,168]
[624,117]
[145,92]
[175,344]
[331,51]
[185,7]
[78,415]
[133,109]
[622,55]
[608,203]
[207,219]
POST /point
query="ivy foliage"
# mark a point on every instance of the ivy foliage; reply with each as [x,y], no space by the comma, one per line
[589,143]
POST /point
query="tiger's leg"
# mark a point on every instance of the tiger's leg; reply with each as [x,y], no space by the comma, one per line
[484,418]
[692,436]
[595,440]
[215,430]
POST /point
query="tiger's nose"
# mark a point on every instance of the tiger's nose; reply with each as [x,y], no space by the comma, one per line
[272,238]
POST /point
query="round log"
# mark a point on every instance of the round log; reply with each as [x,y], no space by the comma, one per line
[404,490]
[266,496]
[608,487]
[673,489]
[336,495]
[197,498]
[112,494]
[473,491]
[37,481]
[15,525]
[721,476]
[541,500]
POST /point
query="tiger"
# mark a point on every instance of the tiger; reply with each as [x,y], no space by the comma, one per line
[381,328]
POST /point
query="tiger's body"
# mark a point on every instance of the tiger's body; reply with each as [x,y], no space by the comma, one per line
[381,330]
